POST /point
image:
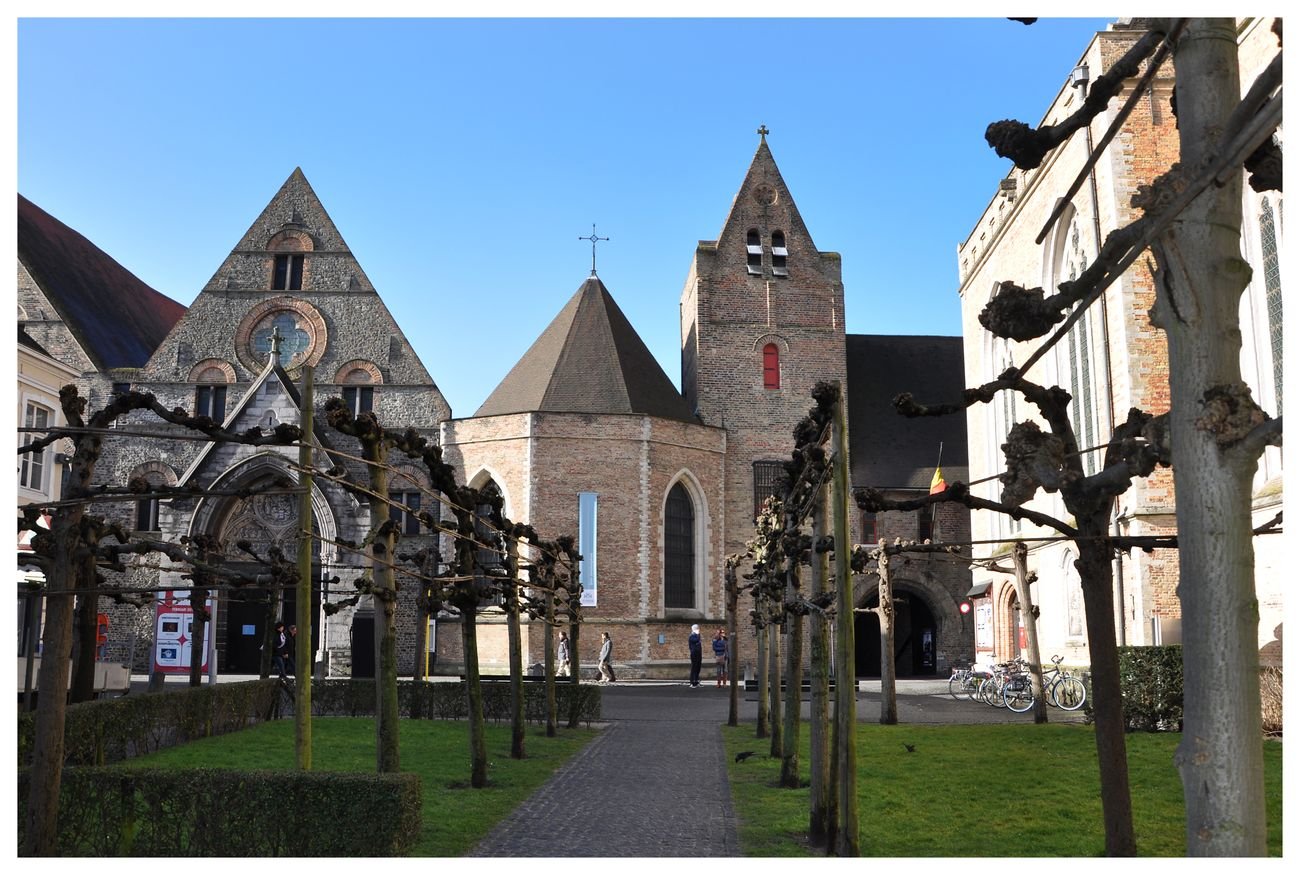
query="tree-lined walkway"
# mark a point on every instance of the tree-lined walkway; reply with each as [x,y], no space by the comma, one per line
[654,784]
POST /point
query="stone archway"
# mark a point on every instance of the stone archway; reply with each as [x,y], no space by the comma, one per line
[263,521]
[928,632]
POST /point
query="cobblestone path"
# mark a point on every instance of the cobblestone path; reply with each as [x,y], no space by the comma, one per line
[652,784]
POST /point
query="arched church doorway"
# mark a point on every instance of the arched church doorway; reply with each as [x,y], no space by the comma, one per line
[915,637]
[246,616]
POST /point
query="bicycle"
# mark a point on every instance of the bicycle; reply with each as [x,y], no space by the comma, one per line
[1066,691]
[962,682]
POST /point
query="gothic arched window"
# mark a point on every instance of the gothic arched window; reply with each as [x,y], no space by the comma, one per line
[487,555]
[679,549]
[1272,291]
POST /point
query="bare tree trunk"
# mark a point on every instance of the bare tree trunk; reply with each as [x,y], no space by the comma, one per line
[268,632]
[1029,616]
[385,599]
[845,840]
[733,684]
[819,805]
[83,648]
[548,641]
[793,685]
[474,691]
[575,663]
[888,673]
[42,826]
[422,614]
[1107,699]
[774,688]
[304,657]
[199,637]
[517,725]
[761,724]
[1201,279]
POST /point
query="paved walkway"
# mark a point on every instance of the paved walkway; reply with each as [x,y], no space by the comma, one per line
[653,784]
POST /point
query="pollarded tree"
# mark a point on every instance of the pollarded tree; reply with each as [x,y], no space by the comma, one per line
[69,551]
[1051,461]
[1192,223]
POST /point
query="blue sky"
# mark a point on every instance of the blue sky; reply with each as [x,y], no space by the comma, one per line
[463,158]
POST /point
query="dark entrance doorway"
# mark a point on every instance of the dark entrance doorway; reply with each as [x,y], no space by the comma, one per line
[243,619]
[915,639]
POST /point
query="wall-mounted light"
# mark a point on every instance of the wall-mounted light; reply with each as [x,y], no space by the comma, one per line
[1079,76]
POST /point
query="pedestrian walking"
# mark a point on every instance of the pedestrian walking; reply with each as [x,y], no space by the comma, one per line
[697,654]
[562,656]
[605,661]
[291,651]
[720,655]
[279,649]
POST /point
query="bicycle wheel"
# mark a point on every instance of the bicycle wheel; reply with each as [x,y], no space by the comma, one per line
[976,684]
[991,693]
[1069,693]
[1018,694]
[1049,681]
[957,685]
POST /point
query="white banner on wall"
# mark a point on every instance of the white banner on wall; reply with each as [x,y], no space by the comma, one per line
[587,547]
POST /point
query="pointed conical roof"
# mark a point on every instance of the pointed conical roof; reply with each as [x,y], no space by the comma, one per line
[588,360]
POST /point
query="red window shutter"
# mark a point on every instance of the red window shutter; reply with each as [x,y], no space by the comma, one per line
[771,367]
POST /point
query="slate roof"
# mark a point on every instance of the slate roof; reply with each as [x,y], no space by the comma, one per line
[889,451]
[117,319]
[588,360]
[25,339]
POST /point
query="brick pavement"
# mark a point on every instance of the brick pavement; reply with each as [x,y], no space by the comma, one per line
[653,784]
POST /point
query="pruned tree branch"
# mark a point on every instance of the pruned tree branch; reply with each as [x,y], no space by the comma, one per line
[1027,146]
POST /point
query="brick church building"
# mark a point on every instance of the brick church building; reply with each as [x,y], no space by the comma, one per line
[586,435]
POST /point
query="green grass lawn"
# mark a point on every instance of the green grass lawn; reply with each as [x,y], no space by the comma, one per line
[456,816]
[978,791]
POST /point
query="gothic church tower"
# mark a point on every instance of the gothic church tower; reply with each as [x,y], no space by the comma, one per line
[762,317]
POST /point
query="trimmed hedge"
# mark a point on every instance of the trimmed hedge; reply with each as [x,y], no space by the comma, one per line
[120,811]
[109,730]
[449,701]
[1151,681]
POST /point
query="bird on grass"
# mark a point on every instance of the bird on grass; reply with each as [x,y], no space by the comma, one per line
[911,748]
[744,755]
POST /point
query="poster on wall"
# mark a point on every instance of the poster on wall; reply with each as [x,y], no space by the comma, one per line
[984,625]
[173,635]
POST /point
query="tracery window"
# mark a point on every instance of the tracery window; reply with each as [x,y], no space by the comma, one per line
[1272,291]
[679,549]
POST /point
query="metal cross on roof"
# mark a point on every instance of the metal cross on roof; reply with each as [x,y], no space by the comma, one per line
[763,132]
[593,238]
